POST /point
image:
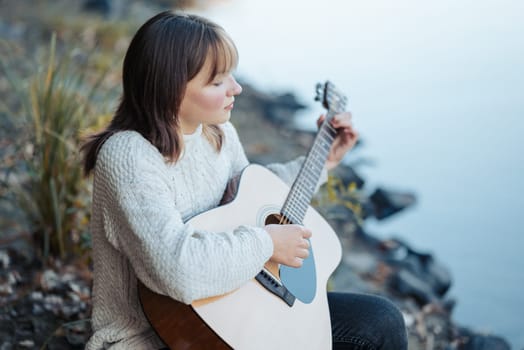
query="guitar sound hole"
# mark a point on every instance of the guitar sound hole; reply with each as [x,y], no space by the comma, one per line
[273,219]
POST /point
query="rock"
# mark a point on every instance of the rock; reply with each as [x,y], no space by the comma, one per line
[53,303]
[407,284]
[37,309]
[36,296]
[102,7]
[282,109]
[279,109]
[6,289]
[474,341]
[24,328]
[4,259]
[5,345]
[421,266]
[50,281]
[361,263]
[7,329]
[26,344]
[348,175]
[386,202]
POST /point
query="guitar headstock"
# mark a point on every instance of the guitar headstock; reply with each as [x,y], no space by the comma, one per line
[332,99]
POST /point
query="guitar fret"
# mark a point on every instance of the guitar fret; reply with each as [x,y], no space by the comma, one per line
[306,186]
[330,128]
[312,183]
[301,197]
[293,217]
[300,203]
[318,158]
[318,155]
[328,132]
[323,145]
[307,193]
[316,167]
[297,206]
[296,199]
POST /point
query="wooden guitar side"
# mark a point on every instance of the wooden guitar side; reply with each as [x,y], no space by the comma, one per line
[251,317]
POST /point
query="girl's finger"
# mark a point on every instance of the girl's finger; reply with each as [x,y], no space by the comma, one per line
[341,120]
[320,120]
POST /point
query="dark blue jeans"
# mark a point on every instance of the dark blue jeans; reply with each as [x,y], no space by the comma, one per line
[365,322]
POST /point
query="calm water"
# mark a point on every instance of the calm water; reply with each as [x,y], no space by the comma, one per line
[437,91]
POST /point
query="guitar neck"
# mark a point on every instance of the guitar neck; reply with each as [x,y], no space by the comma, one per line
[303,189]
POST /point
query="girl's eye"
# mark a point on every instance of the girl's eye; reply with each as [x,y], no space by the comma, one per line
[217,83]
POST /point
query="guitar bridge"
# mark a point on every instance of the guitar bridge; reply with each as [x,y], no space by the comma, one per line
[272,284]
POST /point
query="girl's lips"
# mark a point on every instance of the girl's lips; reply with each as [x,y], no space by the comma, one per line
[230,106]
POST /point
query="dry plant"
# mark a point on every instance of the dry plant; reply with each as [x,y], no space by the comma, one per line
[337,201]
[48,111]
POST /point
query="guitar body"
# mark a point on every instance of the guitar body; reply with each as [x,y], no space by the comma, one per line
[251,317]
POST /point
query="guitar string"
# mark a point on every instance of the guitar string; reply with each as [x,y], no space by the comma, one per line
[297,206]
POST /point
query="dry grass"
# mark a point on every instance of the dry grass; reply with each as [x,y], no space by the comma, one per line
[48,110]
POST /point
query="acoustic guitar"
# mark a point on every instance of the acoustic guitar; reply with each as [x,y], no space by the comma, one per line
[282,307]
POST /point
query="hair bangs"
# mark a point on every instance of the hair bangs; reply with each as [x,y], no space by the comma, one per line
[223,54]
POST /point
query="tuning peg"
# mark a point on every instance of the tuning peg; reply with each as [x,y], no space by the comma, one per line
[320,92]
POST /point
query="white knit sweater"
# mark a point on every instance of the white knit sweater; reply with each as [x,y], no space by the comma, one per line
[140,204]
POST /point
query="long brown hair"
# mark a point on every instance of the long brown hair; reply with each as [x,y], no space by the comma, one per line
[164,55]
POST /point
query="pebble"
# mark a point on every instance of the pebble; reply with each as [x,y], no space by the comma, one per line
[6,289]
[36,295]
[5,261]
[27,343]
[49,280]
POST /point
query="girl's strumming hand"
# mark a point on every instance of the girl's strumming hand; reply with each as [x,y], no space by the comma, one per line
[346,138]
[290,244]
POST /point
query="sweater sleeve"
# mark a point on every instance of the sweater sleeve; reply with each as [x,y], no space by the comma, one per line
[168,255]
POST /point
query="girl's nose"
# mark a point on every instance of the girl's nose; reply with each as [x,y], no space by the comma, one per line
[235,89]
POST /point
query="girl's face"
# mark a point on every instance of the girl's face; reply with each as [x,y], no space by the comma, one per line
[207,102]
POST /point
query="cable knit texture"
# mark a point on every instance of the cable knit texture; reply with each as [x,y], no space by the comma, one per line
[140,205]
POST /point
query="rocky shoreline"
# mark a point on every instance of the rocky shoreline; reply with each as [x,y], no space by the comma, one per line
[48,307]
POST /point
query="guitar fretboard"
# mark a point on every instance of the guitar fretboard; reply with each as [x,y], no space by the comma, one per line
[305,185]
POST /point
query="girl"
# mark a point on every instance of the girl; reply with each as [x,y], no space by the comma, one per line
[168,154]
